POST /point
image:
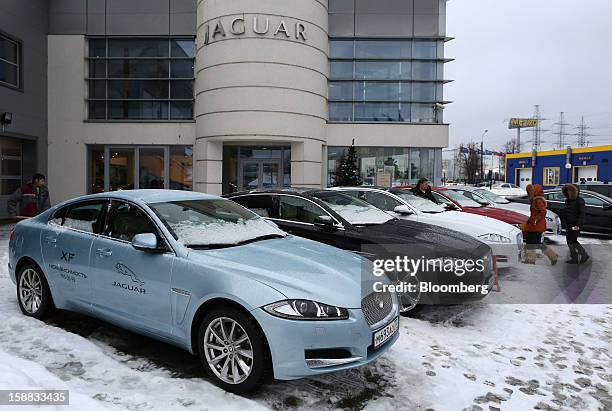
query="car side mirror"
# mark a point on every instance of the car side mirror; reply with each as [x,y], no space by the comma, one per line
[403,210]
[325,222]
[450,206]
[146,242]
[607,207]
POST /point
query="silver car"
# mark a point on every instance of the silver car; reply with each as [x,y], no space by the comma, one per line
[480,195]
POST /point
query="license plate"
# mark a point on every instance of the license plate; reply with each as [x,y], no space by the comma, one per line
[381,336]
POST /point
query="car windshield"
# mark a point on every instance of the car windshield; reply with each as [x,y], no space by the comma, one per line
[421,204]
[462,200]
[353,210]
[491,196]
[213,223]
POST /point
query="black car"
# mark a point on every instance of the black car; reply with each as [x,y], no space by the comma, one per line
[601,188]
[598,214]
[351,224]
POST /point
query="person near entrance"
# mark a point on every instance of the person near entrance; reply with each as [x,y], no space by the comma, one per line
[30,199]
[536,226]
[573,217]
[423,190]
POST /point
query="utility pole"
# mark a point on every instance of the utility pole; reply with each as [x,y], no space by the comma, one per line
[537,130]
[482,155]
[582,133]
[561,133]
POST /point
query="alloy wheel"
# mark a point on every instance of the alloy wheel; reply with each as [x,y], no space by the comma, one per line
[30,290]
[228,350]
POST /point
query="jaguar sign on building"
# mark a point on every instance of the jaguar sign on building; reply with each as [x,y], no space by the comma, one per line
[280,27]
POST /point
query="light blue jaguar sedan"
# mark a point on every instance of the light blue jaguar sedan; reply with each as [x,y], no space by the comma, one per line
[208,275]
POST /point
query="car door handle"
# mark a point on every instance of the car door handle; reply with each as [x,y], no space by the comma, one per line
[50,240]
[104,252]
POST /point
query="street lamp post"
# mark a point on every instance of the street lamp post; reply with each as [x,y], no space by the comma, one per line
[482,155]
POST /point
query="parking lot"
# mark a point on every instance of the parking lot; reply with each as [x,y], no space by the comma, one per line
[506,351]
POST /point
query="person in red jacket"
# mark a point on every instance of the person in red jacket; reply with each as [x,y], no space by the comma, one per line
[30,199]
[536,226]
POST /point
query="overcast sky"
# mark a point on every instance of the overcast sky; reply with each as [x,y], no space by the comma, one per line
[512,54]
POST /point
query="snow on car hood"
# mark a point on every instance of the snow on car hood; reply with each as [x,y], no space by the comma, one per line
[472,224]
[357,215]
[296,267]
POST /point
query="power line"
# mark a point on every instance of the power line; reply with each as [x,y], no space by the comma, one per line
[561,133]
[582,133]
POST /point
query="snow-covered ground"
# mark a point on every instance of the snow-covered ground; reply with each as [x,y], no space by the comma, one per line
[484,356]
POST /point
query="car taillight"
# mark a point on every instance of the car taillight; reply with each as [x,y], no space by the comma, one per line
[12,236]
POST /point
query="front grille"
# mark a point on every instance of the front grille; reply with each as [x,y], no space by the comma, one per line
[376,307]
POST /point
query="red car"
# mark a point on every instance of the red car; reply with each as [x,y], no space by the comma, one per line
[459,202]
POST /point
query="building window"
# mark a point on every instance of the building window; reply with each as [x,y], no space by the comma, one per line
[551,176]
[114,168]
[403,165]
[10,62]
[146,79]
[386,80]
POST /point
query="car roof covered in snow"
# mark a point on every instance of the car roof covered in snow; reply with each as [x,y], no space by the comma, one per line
[151,196]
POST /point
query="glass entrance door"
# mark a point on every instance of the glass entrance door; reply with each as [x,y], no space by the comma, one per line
[256,174]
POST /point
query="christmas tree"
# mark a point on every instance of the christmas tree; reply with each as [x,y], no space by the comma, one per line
[348,173]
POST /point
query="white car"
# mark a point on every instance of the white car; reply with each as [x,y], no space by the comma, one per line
[553,222]
[505,240]
[506,189]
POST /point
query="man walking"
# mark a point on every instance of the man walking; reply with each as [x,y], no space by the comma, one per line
[573,216]
[30,199]
[423,190]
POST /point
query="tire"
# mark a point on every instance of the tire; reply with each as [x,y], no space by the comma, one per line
[33,293]
[226,365]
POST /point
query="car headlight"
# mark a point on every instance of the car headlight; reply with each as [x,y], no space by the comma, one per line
[306,310]
[494,238]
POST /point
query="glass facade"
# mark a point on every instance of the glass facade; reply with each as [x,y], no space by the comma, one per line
[113,168]
[141,79]
[386,80]
[10,62]
[253,167]
[378,165]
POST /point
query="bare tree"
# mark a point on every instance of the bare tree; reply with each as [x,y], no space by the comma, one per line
[469,161]
[510,147]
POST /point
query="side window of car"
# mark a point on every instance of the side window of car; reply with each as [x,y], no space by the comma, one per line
[592,200]
[84,216]
[299,209]
[59,217]
[380,201]
[260,204]
[439,198]
[125,220]
[555,196]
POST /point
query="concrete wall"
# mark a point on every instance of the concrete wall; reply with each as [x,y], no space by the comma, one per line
[252,87]
[26,20]
[69,134]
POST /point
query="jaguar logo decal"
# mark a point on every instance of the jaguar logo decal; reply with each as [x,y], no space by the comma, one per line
[125,270]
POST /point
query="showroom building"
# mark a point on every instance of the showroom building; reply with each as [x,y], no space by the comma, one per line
[219,96]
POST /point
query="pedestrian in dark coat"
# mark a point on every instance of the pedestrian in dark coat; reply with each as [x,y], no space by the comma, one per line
[573,219]
[536,226]
[423,190]
[30,199]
